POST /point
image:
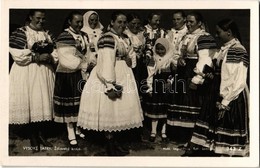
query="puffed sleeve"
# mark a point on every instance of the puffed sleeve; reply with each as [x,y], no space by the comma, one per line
[236,66]
[68,55]
[106,60]
[18,48]
[206,49]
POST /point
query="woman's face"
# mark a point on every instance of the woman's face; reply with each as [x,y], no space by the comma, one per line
[93,21]
[37,20]
[192,23]
[155,21]
[119,24]
[134,25]
[178,20]
[160,50]
[222,35]
[76,23]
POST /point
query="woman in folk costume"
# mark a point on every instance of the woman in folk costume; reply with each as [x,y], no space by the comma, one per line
[179,29]
[32,77]
[152,31]
[135,33]
[94,29]
[159,87]
[230,127]
[72,49]
[92,26]
[175,36]
[114,104]
[198,48]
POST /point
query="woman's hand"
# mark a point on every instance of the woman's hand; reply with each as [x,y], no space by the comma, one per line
[45,57]
[181,62]
[193,86]
[221,114]
[209,75]
[150,94]
[41,58]
[222,110]
[168,85]
[85,75]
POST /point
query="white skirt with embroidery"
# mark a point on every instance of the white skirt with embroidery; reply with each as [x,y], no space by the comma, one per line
[31,92]
[98,112]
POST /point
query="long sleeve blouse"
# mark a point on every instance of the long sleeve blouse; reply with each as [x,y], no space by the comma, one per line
[175,37]
[110,48]
[202,46]
[233,70]
[21,42]
[72,51]
[137,41]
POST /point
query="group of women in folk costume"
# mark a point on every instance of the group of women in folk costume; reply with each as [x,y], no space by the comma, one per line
[107,81]
[196,52]
[222,125]
[216,82]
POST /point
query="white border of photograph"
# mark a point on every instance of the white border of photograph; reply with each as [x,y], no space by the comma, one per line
[251,161]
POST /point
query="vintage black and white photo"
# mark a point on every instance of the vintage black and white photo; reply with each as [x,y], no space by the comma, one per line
[119,82]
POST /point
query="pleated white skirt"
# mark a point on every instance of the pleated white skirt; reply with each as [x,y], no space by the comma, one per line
[98,112]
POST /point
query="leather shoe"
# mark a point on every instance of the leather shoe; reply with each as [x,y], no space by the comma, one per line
[152,137]
[35,144]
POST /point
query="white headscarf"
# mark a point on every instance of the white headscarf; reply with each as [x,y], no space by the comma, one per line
[164,61]
[86,28]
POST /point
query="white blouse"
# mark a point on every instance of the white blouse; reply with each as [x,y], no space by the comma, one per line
[175,37]
[70,58]
[202,52]
[233,70]
[24,56]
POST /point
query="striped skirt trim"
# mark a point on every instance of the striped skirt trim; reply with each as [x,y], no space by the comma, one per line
[62,119]
[66,101]
[183,111]
[186,124]
[182,106]
[201,140]
[155,116]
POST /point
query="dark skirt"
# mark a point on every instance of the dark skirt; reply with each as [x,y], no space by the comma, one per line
[232,131]
[204,129]
[67,93]
[186,105]
[156,107]
[140,74]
